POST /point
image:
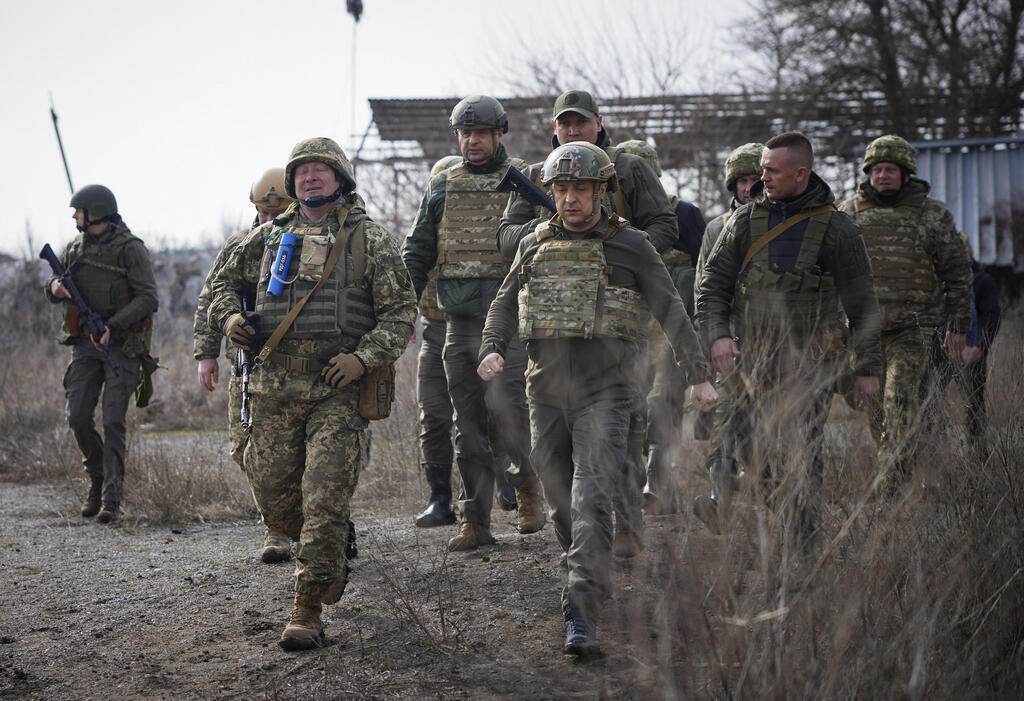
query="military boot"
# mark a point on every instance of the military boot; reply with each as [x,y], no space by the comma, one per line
[530,502]
[506,494]
[304,630]
[109,513]
[91,505]
[470,537]
[439,508]
[277,546]
[580,634]
[332,594]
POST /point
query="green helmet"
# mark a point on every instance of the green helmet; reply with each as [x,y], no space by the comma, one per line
[743,161]
[890,149]
[645,151]
[444,163]
[326,151]
[578,160]
[478,112]
[98,201]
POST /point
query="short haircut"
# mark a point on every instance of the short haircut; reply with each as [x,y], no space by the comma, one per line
[797,143]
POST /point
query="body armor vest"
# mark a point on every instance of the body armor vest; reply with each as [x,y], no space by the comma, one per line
[342,306]
[428,300]
[909,293]
[472,210]
[800,305]
[565,292]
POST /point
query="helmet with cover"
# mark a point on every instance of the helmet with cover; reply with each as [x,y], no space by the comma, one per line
[326,151]
[478,112]
[645,151]
[743,161]
[268,191]
[890,149]
[580,160]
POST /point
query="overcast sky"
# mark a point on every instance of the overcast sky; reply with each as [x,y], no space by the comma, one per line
[178,106]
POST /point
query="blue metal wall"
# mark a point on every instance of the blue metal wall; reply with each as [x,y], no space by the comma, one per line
[982,183]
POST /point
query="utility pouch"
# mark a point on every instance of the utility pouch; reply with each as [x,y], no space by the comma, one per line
[138,338]
[144,390]
[313,258]
[377,393]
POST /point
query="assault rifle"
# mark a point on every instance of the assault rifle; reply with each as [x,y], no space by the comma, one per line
[515,181]
[243,365]
[93,321]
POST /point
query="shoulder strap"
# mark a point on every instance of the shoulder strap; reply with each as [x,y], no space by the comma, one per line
[332,260]
[781,228]
[357,249]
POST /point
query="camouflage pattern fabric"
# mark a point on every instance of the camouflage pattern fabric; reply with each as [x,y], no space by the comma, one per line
[894,414]
[237,438]
[308,441]
[205,339]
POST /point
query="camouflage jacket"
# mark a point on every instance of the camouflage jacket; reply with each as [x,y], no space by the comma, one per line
[205,339]
[938,238]
[572,373]
[385,276]
[469,297]
[842,255]
[649,208]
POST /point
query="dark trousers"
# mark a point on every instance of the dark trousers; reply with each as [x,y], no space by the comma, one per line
[436,411]
[486,413]
[88,377]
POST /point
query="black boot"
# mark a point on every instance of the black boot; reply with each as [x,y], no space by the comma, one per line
[580,633]
[654,496]
[91,506]
[506,493]
[439,509]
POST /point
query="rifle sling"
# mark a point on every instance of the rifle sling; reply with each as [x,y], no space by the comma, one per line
[780,228]
[332,260]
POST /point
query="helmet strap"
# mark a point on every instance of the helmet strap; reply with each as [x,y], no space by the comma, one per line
[321,200]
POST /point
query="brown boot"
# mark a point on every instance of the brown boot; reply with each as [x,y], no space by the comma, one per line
[91,505]
[277,547]
[470,537]
[304,630]
[530,502]
[109,513]
[627,543]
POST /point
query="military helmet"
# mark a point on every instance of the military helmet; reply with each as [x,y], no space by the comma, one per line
[890,149]
[743,161]
[578,160]
[645,151]
[324,150]
[444,163]
[97,200]
[478,112]
[268,192]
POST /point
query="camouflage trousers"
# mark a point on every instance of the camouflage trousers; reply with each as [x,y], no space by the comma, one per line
[87,378]
[436,411]
[236,436]
[304,457]
[580,458]
[894,413]
[485,413]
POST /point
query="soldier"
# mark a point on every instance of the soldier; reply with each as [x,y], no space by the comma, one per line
[454,231]
[776,278]
[112,270]
[436,411]
[308,437]
[268,196]
[574,293]
[923,279]
[640,199]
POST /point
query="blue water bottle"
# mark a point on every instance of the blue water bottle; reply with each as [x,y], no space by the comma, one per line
[280,270]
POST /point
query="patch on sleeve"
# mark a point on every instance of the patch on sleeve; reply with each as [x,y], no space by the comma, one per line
[401,272]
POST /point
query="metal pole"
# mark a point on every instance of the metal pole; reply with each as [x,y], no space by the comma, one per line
[63,158]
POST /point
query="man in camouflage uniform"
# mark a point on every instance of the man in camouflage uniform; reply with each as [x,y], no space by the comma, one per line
[922,277]
[308,437]
[436,411]
[574,294]
[268,196]
[454,231]
[112,270]
[776,278]
[662,381]
[743,181]
[640,199]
